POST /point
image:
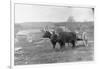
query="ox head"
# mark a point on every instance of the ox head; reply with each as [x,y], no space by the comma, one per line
[46,33]
[50,34]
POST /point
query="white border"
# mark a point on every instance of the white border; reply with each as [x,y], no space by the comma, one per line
[42,65]
[12,34]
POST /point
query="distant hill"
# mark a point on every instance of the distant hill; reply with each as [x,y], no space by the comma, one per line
[32,25]
[35,25]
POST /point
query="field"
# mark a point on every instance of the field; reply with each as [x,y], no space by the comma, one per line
[41,52]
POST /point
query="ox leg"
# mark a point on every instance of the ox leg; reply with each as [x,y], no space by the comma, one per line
[68,44]
[62,44]
[73,43]
[54,44]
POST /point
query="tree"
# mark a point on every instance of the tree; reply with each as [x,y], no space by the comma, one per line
[70,19]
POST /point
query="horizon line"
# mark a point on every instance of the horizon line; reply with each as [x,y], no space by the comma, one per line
[53,21]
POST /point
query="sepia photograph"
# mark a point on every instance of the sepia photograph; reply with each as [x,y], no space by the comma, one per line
[45,34]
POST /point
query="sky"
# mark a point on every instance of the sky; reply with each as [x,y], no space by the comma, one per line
[41,13]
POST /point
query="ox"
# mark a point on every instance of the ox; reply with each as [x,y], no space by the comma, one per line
[61,38]
[66,37]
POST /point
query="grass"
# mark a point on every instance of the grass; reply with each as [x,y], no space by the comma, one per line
[44,53]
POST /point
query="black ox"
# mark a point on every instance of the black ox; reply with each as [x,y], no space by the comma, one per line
[61,38]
